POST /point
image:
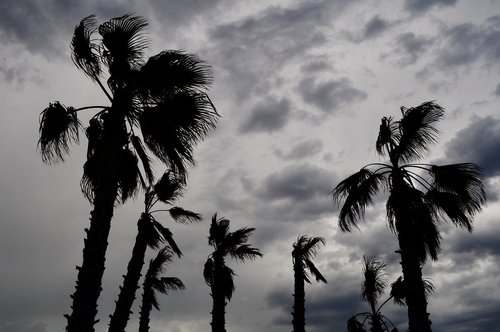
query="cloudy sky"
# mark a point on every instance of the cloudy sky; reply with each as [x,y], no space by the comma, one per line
[301,87]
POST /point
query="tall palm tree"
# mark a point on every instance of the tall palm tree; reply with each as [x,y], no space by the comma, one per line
[216,273]
[153,282]
[162,100]
[150,234]
[304,250]
[372,287]
[420,196]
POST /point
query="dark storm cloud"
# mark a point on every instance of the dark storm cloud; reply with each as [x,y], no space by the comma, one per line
[421,6]
[303,149]
[410,47]
[373,28]
[479,144]
[330,95]
[466,43]
[480,243]
[267,116]
[271,37]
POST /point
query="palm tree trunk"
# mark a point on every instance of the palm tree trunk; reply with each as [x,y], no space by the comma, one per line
[218,296]
[146,307]
[418,318]
[126,297]
[298,314]
[88,284]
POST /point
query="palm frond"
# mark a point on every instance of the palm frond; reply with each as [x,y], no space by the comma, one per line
[177,122]
[148,228]
[94,133]
[59,126]
[184,216]
[227,275]
[311,246]
[357,191]
[127,175]
[144,158]
[244,252]
[168,188]
[353,325]
[167,236]
[465,180]
[219,229]
[124,39]
[208,272]
[417,130]
[386,135]
[449,206]
[375,282]
[83,50]
[172,71]
[314,271]
[399,291]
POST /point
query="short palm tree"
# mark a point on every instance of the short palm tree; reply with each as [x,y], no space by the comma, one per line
[160,102]
[420,196]
[150,234]
[372,287]
[153,282]
[216,273]
[304,250]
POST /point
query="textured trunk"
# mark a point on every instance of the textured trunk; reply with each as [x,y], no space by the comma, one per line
[126,297]
[146,307]
[298,314]
[88,284]
[218,296]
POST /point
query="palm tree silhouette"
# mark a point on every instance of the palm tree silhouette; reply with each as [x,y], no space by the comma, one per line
[150,234]
[420,196]
[219,276]
[154,283]
[304,250]
[162,100]
[372,287]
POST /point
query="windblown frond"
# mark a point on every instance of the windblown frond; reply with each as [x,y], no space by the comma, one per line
[357,191]
[183,216]
[417,130]
[227,275]
[386,135]
[84,52]
[304,250]
[208,272]
[171,71]
[399,290]
[219,229]
[353,325]
[172,127]
[244,252]
[167,236]
[145,160]
[59,126]
[168,188]
[314,271]
[375,282]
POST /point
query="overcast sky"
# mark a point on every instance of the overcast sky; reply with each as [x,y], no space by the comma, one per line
[301,87]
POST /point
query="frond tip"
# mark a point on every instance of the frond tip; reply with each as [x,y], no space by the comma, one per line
[59,126]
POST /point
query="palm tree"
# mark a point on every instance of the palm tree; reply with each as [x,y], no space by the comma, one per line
[219,276]
[420,196]
[372,287]
[162,100]
[150,234]
[304,250]
[154,283]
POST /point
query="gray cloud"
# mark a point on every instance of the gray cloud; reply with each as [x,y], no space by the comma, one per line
[267,116]
[373,28]
[331,95]
[421,6]
[497,90]
[303,149]
[411,47]
[24,327]
[477,143]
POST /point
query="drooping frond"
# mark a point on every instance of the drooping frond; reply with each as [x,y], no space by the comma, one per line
[168,188]
[84,52]
[353,325]
[417,130]
[167,236]
[145,160]
[94,133]
[314,271]
[171,71]
[127,175]
[184,216]
[244,252]
[175,124]
[357,192]
[124,39]
[375,282]
[147,227]
[227,275]
[465,180]
[399,290]
[59,126]
[208,272]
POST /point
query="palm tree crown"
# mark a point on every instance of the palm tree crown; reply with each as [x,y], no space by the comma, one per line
[420,195]
[216,273]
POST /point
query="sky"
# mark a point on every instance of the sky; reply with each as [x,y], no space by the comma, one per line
[301,87]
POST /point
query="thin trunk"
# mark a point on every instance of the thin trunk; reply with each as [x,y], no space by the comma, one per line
[88,284]
[126,297]
[298,314]
[218,296]
[146,307]
[375,321]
